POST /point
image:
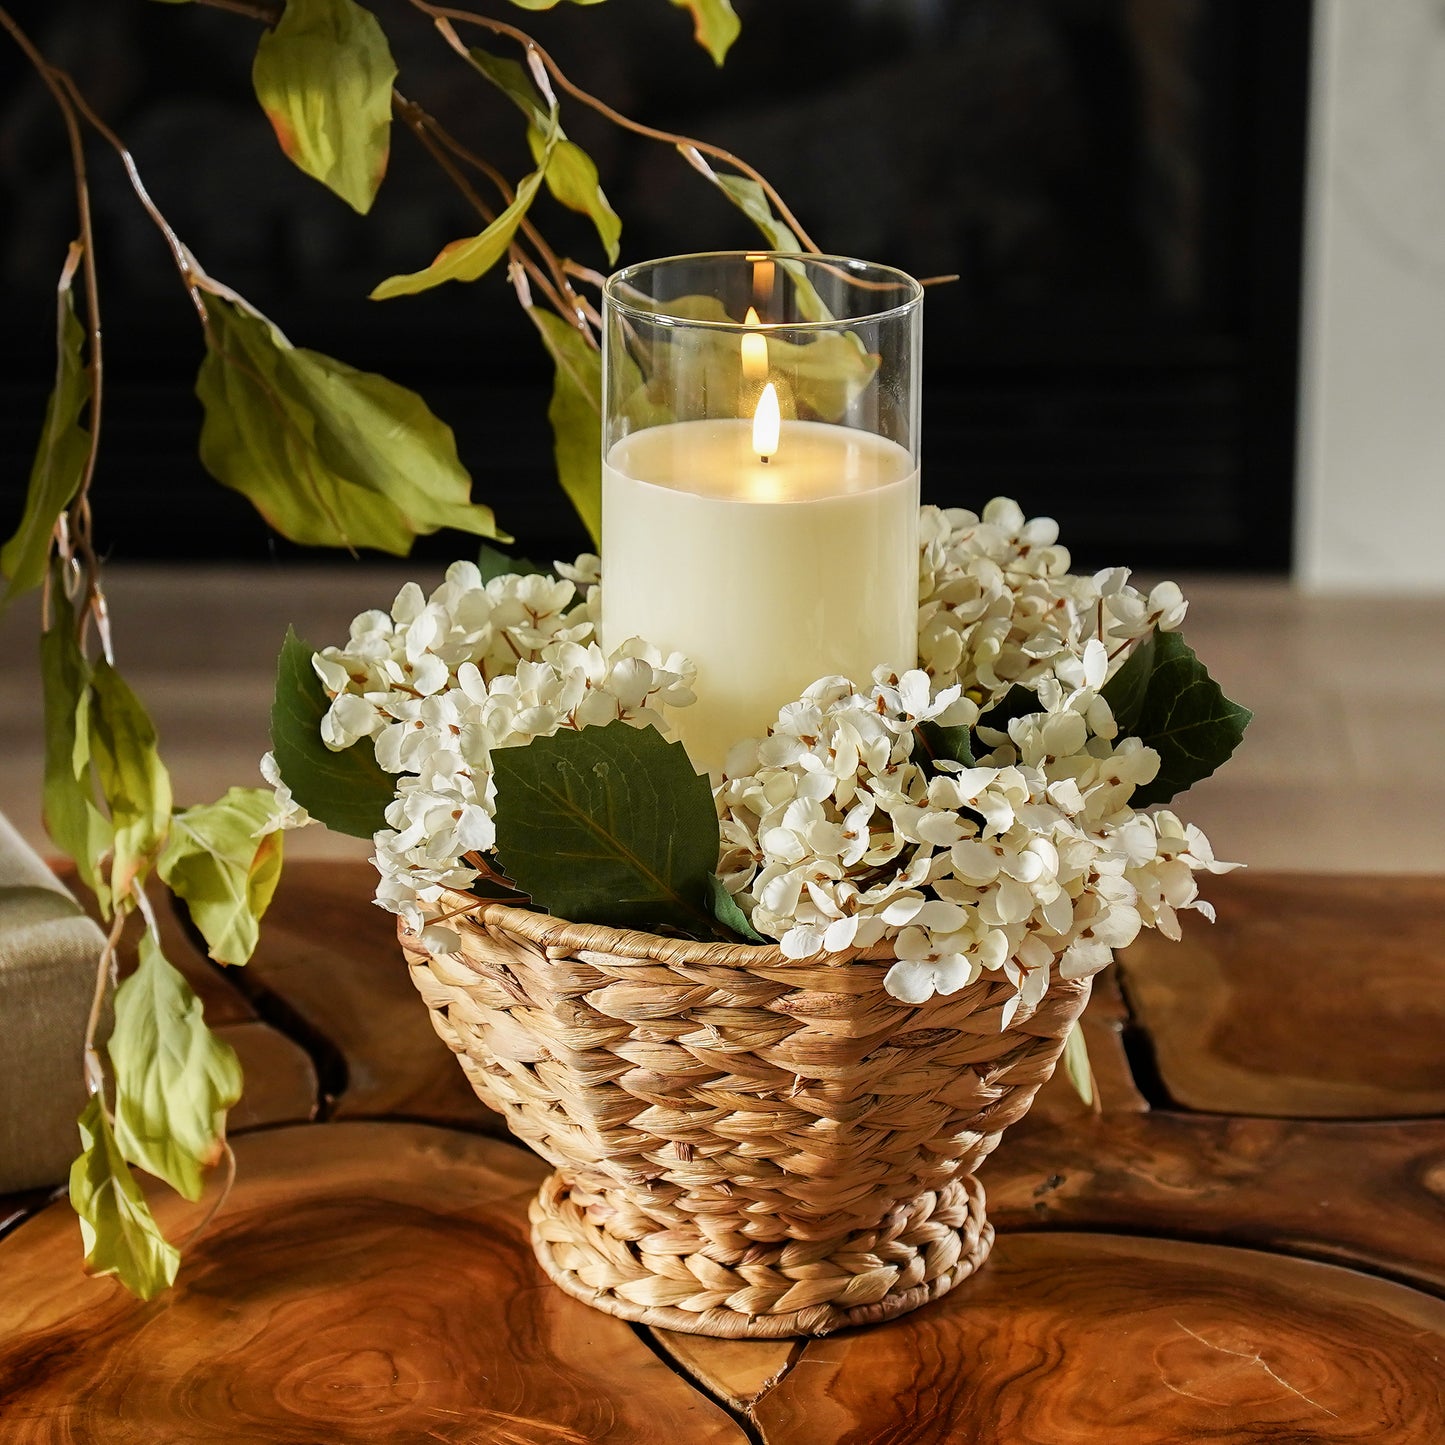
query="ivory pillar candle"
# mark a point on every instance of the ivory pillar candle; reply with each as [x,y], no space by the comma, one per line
[760,477]
[768,575]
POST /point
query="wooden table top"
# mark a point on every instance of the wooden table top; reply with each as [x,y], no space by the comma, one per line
[1245,1243]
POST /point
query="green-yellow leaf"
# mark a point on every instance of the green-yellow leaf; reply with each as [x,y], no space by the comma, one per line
[1077,1065]
[174,1079]
[323,76]
[468,259]
[570,172]
[77,827]
[330,456]
[59,465]
[716,25]
[226,873]
[133,780]
[345,790]
[120,1235]
[576,416]
[825,374]
[750,198]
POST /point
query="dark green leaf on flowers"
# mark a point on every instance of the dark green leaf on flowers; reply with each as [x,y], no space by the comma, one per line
[116,1226]
[330,456]
[174,1079]
[226,873]
[716,25]
[493,562]
[133,780]
[576,416]
[570,172]
[323,75]
[1126,690]
[1186,718]
[346,790]
[945,744]
[59,465]
[75,824]
[608,825]
[1017,702]
[728,911]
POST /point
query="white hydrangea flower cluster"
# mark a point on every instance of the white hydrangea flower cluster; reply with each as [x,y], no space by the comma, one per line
[439,682]
[835,836]
[999,606]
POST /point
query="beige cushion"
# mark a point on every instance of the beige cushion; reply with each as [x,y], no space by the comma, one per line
[49,953]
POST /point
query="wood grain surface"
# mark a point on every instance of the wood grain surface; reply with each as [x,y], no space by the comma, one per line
[372,1281]
[366,1282]
[1311,997]
[1072,1339]
[1370,1194]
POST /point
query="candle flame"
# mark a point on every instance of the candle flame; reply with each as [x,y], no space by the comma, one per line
[755,350]
[767,423]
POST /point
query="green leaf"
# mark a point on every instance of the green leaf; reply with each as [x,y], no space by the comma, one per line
[174,1079]
[576,416]
[75,824]
[226,873]
[133,780]
[468,259]
[1077,1065]
[1018,701]
[493,562]
[608,825]
[1126,690]
[826,373]
[1186,718]
[750,198]
[944,744]
[716,26]
[572,178]
[330,456]
[323,75]
[570,172]
[120,1235]
[728,911]
[59,465]
[347,790]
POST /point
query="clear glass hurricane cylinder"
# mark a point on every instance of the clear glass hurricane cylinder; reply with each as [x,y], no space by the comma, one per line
[760,477]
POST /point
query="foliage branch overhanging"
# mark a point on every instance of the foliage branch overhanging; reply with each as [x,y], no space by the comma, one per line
[329,456]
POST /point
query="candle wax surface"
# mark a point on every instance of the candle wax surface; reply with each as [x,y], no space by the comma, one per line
[768,575]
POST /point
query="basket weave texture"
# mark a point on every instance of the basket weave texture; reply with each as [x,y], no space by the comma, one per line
[745,1145]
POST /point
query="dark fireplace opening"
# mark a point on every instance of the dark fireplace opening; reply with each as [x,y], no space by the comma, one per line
[1117,184]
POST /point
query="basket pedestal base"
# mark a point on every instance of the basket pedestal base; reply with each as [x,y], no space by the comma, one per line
[677,1279]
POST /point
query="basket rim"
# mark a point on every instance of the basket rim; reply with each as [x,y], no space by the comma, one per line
[561,935]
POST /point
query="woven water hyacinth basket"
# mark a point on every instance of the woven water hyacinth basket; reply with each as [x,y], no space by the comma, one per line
[745,1145]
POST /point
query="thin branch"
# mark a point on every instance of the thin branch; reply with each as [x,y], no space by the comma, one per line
[104,975]
[442,15]
[437,143]
[80,506]
[253,9]
[185,262]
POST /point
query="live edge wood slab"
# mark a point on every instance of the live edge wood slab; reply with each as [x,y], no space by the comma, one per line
[1245,1243]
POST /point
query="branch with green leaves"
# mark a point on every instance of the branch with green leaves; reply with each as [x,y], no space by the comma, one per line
[329,456]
